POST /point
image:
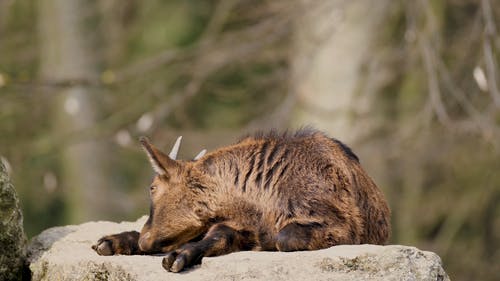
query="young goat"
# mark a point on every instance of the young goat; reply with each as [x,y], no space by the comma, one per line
[268,192]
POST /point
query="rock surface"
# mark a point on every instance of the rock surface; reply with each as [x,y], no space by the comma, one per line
[12,238]
[64,253]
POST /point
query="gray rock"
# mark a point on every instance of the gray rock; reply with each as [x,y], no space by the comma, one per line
[64,253]
[12,238]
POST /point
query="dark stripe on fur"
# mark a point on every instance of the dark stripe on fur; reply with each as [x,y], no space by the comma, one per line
[249,172]
[260,165]
[237,176]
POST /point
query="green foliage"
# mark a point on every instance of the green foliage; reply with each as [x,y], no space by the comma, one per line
[233,97]
[443,186]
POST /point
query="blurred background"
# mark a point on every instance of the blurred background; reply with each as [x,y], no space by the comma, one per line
[411,86]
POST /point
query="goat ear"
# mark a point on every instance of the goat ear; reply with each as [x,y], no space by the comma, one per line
[160,162]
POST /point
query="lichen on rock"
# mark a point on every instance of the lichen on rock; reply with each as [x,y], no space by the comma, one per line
[12,237]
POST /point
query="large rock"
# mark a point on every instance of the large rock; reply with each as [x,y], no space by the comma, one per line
[12,238]
[64,253]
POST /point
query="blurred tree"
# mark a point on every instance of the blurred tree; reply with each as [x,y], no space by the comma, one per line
[333,75]
[69,61]
[332,44]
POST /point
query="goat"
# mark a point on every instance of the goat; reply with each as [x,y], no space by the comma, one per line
[268,192]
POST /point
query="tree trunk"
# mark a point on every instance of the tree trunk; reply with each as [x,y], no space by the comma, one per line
[334,38]
[68,59]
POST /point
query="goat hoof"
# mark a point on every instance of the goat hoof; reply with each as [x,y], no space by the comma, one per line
[103,247]
[168,260]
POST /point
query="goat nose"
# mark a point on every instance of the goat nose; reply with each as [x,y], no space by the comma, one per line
[143,241]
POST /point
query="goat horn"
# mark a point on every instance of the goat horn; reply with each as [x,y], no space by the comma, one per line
[175,148]
[200,154]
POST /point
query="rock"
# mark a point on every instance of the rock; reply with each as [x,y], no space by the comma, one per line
[12,238]
[64,253]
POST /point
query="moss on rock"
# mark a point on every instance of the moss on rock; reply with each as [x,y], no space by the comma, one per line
[12,237]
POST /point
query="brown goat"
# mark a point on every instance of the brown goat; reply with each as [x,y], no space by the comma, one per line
[268,192]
